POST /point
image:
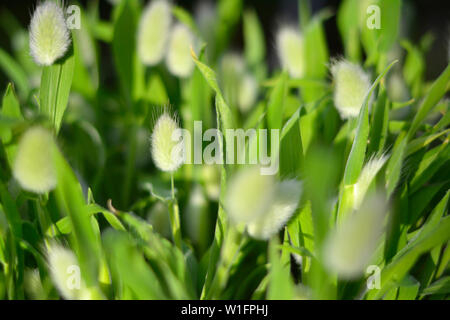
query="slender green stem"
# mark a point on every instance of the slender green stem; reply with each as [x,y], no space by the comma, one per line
[130,166]
[44,218]
[175,216]
[230,249]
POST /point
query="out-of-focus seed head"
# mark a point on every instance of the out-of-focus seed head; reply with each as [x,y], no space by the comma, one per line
[249,194]
[153,32]
[366,177]
[64,271]
[211,179]
[247,93]
[195,217]
[396,88]
[167,152]
[178,59]
[158,217]
[33,284]
[232,62]
[349,248]
[291,51]
[232,70]
[49,35]
[280,211]
[351,87]
[34,166]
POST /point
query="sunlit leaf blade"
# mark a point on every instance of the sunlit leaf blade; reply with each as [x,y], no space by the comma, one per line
[437,91]
[56,82]
[357,154]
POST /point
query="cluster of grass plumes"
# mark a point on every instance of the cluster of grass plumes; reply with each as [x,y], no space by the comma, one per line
[96,201]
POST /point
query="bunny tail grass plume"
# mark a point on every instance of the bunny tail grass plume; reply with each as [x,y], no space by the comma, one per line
[153,32]
[247,93]
[280,211]
[366,177]
[65,273]
[179,60]
[249,194]
[290,51]
[49,35]
[351,87]
[349,248]
[166,151]
[34,166]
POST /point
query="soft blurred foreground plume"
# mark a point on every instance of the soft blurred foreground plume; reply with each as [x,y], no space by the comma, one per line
[248,92]
[290,51]
[34,166]
[249,195]
[279,212]
[239,85]
[349,248]
[153,32]
[366,177]
[179,60]
[65,273]
[263,204]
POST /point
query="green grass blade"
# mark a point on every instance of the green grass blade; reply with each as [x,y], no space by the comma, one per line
[14,72]
[358,152]
[56,82]
[437,91]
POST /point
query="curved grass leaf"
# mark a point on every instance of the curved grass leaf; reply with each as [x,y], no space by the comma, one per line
[14,72]
[435,232]
[56,82]
[437,91]
[358,152]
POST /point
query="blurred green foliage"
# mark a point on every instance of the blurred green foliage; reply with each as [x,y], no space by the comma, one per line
[122,239]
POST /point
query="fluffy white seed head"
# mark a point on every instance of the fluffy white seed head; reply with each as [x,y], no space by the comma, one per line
[349,248]
[65,273]
[178,59]
[351,87]
[34,166]
[167,151]
[366,177]
[291,51]
[249,194]
[280,211]
[248,92]
[49,35]
[153,32]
